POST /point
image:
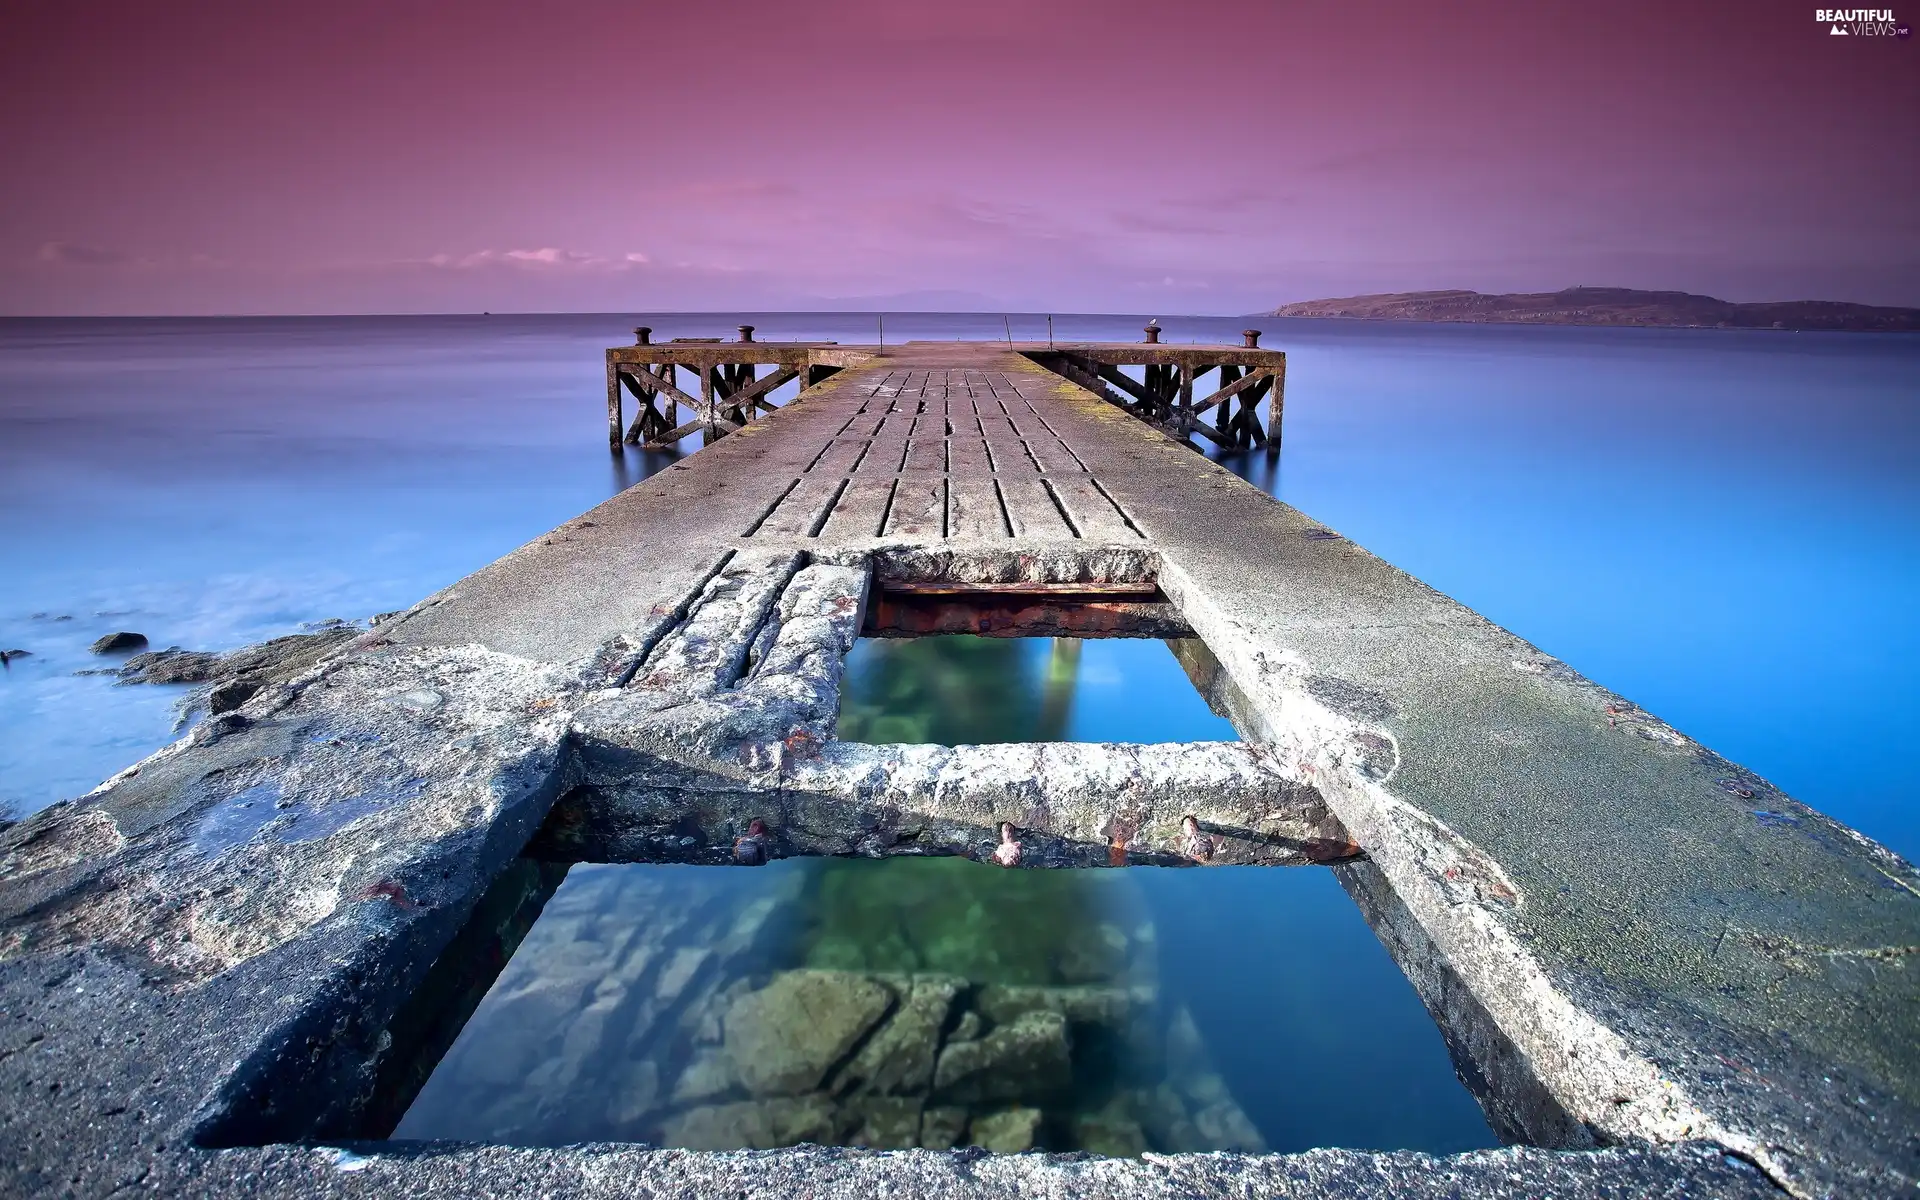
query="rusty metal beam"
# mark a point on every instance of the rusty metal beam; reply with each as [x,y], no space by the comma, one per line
[987,614]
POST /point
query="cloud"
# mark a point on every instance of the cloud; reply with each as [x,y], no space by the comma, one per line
[545,258]
[72,254]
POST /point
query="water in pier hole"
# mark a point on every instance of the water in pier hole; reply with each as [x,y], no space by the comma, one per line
[941,1002]
[957,689]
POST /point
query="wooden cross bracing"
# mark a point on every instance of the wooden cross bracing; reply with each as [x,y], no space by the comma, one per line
[1164,394]
[731,390]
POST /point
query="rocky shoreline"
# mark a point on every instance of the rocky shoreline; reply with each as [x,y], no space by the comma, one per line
[224,682]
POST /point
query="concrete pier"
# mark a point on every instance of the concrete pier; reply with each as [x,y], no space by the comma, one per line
[1659,975]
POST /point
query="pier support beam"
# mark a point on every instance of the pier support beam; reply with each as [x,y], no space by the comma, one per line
[615,417]
[1276,408]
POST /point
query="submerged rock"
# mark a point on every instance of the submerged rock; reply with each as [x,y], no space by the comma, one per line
[1225,1126]
[1109,1134]
[899,1058]
[784,1038]
[707,1077]
[1009,1132]
[7,656]
[119,643]
[968,1027]
[942,1128]
[885,1122]
[1166,1121]
[753,1124]
[1027,1059]
[636,1095]
[1082,1005]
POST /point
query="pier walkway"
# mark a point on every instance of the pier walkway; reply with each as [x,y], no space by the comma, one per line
[1660,975]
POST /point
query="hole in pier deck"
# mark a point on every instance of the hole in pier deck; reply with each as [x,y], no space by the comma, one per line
[1104,610]
[960,689]
[941,1002]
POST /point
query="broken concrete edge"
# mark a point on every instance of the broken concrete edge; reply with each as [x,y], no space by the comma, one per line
[1692,1172]
[1071,805]
[345,1169]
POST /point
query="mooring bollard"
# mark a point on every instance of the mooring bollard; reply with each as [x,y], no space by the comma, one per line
[643,335]
[746,333]
[1251,337]
[1153,331]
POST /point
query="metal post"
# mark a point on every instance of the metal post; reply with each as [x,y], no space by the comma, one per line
[746,333]
[1252,338]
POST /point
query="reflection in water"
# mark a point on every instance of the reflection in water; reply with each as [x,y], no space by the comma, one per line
[941,1002]
[954,690]
[957,689]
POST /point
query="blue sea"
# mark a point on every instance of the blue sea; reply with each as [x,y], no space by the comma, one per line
[1723,526]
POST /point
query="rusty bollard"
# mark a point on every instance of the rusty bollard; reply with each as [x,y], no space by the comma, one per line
[1153,331]
[746,333]
[643,335]
[1252,338]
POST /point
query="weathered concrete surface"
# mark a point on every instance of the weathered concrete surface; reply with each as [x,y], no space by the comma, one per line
[805,1173]
[1075,804]
[1625,938]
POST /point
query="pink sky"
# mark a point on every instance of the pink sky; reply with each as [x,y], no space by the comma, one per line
[1219,156]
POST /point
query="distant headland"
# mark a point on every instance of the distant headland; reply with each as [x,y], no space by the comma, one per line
[1610,306]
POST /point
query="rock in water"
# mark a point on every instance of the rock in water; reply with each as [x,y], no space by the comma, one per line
[968,1028]
[1109,1135]
[172,665]
[885,1122]
[753,1124]
[1224,1126]
[942,1128]
[119,643]
[227,696]
[898,1059]
[709,1075]
[1026,1059]
[1009,1132]
[784,1038]
[284,657]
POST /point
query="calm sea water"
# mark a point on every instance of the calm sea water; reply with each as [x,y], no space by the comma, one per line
[957,689]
